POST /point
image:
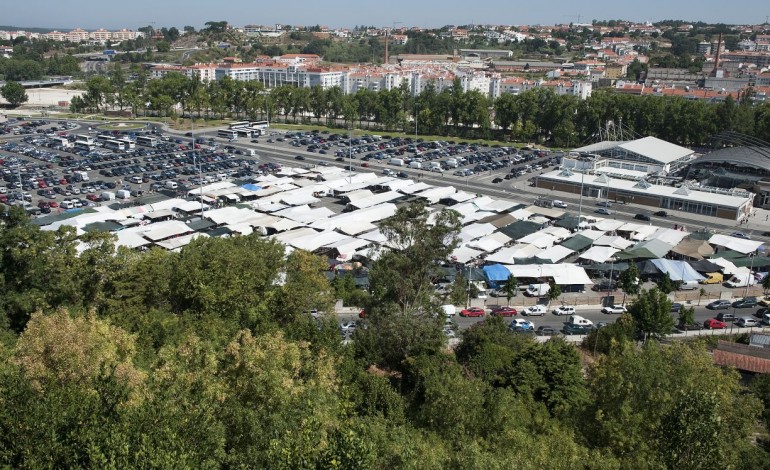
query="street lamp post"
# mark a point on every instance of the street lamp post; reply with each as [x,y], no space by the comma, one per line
[350,157]
[751,269]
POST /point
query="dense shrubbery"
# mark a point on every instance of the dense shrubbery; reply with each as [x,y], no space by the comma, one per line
[201,359]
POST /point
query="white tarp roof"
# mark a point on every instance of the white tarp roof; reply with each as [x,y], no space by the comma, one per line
[415,188]
[355,228]
[298,199]
[507,255]
[370,214]
[656,149]
[608,225]
[562,274]
[555,253]
[287,237]
[494,205]
[475,216]
[130,239]
[190,206]
[436,194]
[599,254]
[736,244]
[645,232]
[376,199]
[312,242]
[727,266]
[374,236]
[162,230]
[546,211]
[348,246]
[491,242]
[461,196]
[175,244]
[464,254]
[465,208]
[474,231]
[560,233]
[229,215]
[522,214]
[358,195]
[539,239]
[669,235]
[592,234]
[397,184]
[305,214]
[613,241]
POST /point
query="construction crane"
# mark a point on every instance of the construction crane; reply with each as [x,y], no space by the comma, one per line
[387,33]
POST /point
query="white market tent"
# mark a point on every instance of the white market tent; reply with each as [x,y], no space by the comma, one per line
[162,230]
[559,233]
[539,239]
[175,244]
[370,214]
[434,195]
[599,254]
[554,254]
[305,213]
[608,225]
[490,243]
[563,274]
[414,188]
[592,234]
[734,243]
[509,254]
[465,254]
[727,266]
[474,231]
[669,235]
[613,241]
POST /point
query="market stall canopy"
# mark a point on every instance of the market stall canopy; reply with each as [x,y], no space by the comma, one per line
[677,270]
[692,248]
[734,243]
[599,254]
[704,266]
[650,249]
[496,272]
[577,243]
[554,254]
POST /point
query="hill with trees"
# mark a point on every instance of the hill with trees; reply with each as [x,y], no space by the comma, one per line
[208,358]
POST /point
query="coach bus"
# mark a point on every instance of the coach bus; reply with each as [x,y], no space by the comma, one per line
[115,145]
[147,141]
[228,133]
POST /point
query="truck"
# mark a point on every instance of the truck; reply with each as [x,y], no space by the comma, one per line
[123,194]
[537,290]
[741,280]
[415,165]
[396,161]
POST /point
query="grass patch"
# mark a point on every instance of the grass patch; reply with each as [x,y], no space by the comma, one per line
[121,126]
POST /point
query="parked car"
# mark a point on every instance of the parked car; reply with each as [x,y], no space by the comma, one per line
[660,214]
[521,323]
[644,217]
[569,329]
[714,324]
[721,304]
[564,310]
[603,211]
[544,330]
[740,235]
[348,325]
[747,322]
[688,327]
[614,309]
[503,312]
[746,302]
[534,310]
[676,307]
[605,286]
[472,312]
[725,317]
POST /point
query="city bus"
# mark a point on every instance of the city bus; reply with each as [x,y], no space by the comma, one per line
[147,141]
[228,133]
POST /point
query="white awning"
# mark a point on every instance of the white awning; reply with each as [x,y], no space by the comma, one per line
[539,239]
[599,254]
[555,253]
[613,241]
[734,243]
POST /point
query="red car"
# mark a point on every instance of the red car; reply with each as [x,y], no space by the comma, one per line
[504,311]
[362,314]
[53,204]
[473,312]
[714,324]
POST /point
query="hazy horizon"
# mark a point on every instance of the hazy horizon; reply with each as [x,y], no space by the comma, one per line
[50,14]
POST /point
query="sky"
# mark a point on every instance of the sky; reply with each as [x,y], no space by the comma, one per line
[132,14]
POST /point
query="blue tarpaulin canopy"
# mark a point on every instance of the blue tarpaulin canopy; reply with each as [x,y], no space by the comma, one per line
[677,270]
[496,272]
[251,187]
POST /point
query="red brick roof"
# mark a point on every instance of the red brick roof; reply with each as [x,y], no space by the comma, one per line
[742,357]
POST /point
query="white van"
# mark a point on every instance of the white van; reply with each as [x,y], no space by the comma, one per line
[741,280]
[536,290]
[251,153]
[580,321]
[397,161]
[689,285]
[415,165]
[171,185]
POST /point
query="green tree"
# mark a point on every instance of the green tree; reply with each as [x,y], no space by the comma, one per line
[510,288]
[686,316]
[554,292]
[766,284]
[14,93]
[630,281]
[651,312]
[666,285]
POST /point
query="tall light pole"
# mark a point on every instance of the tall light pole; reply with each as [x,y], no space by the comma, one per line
[350,157]
[751,269]
[197,160]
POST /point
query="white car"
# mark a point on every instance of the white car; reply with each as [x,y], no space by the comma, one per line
[348,325]
[564,310]
[614,309]
[560,204]
[747,322]
[522,323]
[535,310]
